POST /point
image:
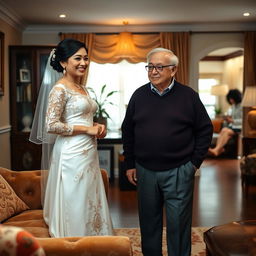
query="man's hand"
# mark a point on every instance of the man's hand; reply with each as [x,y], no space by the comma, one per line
[132,176]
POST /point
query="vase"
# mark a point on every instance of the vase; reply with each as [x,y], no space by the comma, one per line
[101,120]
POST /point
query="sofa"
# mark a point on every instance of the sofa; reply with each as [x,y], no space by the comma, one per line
[231,148]
[20,206]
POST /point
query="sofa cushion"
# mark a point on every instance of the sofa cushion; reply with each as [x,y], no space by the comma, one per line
[87,245]
[32,221]
[26,185]
[11,204]
[217,124]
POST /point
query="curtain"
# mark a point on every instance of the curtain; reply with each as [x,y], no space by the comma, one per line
[179,43]
[249,80]
[88,40]
[108,48]
[250,59]
[111,48]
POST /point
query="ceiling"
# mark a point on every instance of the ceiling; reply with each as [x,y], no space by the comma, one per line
[136,12]
[225,51]
[141,15]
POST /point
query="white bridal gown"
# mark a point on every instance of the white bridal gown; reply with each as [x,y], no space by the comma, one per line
[75,201]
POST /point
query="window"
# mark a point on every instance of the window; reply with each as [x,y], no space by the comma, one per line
[123,77]
[209,101]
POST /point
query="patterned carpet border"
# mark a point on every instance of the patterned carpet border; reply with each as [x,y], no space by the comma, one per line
[198,245]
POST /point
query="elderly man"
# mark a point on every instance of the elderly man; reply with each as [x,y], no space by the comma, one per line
[166,135]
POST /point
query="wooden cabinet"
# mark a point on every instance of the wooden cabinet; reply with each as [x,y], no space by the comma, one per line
[249,146]
[27,64]
[248,135]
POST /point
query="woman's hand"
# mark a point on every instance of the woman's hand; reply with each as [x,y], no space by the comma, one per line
[228,119]
[97,130]
[102,131]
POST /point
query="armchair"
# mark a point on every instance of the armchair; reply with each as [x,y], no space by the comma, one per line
[20,206]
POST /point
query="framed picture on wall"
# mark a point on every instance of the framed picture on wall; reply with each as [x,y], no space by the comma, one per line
[106,158]
[1,64]
[24,75]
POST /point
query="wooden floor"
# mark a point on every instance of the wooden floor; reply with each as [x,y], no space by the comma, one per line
[218,197]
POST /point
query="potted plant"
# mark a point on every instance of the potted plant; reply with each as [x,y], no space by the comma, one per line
[102,101]
[217,111]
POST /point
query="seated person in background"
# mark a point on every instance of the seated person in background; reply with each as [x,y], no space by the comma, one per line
[232,122]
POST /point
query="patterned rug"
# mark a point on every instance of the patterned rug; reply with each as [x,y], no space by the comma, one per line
[198,245]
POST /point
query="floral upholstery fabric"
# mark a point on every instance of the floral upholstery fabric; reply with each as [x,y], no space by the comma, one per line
[10,204]
[15,241]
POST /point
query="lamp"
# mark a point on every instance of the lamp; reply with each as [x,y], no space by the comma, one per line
[219,90]
[125,46]
[249,100]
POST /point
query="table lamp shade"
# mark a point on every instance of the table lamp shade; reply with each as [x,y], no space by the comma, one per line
[219,89]
[249,100]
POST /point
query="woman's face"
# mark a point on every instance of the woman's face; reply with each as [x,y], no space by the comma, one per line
[77,63]
[232,101]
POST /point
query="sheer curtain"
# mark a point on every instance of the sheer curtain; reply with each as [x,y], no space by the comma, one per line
[123,77]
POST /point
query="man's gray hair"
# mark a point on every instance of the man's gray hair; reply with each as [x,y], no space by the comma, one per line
[174,58]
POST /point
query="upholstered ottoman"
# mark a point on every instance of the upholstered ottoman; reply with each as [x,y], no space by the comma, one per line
[232,239]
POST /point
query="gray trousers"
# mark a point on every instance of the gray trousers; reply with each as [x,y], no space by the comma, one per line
[171,190]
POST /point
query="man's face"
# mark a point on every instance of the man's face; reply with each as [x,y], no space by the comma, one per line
[161,79]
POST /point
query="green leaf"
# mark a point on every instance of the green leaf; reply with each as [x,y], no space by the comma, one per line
[102,101]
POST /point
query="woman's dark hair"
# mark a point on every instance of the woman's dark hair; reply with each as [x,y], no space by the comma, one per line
[234,94]
[65,49]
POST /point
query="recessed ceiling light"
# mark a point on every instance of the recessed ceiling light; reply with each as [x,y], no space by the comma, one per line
[246,14]
[62,15]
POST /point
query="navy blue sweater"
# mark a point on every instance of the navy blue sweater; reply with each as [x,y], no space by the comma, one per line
[164,132]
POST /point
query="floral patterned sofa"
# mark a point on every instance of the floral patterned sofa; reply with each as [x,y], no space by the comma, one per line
[20,206]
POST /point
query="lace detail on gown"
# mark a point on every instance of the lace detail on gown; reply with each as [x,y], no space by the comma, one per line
[56,104]
[75,200]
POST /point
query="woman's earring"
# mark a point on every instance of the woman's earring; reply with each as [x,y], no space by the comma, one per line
[64,71]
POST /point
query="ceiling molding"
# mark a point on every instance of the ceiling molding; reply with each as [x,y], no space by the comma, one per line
[225,57]
[234,55]
[10,17]
[202,27]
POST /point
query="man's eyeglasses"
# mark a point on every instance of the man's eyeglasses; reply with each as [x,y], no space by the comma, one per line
[150,68]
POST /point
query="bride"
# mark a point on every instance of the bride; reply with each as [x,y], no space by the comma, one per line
[75,202]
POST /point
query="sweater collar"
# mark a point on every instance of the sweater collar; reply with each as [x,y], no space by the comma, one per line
[166,90]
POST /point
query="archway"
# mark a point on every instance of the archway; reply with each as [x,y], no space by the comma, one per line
[222,68]
[203,43]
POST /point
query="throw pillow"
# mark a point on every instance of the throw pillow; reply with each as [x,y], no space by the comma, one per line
[15,241]
[10,203]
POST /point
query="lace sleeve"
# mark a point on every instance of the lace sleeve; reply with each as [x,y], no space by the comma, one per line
[56,105]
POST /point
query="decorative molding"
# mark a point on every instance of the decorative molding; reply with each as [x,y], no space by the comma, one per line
[10,17]
[234,55]
[225,57]
[200,27]
[5,129]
